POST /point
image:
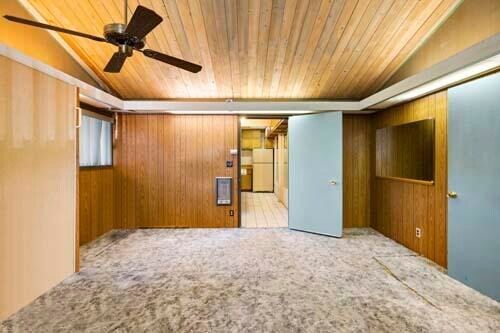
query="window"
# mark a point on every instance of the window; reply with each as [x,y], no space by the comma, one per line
[96,142]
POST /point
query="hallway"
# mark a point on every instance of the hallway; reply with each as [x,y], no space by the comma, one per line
[262,210]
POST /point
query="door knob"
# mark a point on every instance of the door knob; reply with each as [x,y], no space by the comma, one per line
[452,195]
[332,182]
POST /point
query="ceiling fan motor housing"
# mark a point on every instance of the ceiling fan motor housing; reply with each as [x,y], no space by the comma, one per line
[115,34]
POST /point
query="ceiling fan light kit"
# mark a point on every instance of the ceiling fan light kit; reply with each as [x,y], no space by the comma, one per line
[127,37]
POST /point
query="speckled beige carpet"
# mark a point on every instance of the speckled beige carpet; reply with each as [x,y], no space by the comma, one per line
[255,280]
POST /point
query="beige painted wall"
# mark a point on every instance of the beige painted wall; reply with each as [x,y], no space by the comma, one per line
[37,184]
[472,22]
[37,43]
[281,176]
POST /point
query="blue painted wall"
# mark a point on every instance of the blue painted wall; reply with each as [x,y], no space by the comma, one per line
[474,173]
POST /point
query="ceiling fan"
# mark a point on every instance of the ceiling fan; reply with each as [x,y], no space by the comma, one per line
[128,37]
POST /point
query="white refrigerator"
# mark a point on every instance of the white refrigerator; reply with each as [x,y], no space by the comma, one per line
[263,169]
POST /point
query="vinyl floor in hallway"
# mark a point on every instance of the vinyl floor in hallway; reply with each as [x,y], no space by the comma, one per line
[255,280]
[262,210]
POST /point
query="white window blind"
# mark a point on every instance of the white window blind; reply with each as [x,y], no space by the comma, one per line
[95,142]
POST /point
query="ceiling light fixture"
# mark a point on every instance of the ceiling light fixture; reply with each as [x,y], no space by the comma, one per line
[252,112]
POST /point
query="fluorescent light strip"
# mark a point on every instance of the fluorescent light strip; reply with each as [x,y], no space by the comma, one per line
[252,112]
[443,82]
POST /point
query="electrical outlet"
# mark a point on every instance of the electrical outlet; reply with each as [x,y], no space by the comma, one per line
[418,232]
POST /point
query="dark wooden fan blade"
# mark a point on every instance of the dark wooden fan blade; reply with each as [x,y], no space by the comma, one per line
[183,64]
[116,62]
[51,27]
[142,22]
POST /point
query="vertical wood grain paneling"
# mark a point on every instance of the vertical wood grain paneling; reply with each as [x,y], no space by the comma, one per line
[97,197]
[357,177]
[398,207]
[166,169]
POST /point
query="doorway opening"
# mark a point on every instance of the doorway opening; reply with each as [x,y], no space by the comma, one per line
[264,172]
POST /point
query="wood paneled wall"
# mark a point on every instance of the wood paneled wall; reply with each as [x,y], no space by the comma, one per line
[37,184]
[357,142]
[399,207]
[96,198]
[165,169]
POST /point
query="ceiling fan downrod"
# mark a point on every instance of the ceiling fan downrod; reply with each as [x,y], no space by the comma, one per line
[125,11]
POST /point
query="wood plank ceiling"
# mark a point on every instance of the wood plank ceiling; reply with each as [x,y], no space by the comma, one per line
[335,49]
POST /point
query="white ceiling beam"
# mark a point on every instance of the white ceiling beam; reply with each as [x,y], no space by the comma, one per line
[241,106]
[476,60]
[87,90]
[482,51]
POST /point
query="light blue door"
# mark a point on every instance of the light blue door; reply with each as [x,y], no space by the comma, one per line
[315,173]
[474,174]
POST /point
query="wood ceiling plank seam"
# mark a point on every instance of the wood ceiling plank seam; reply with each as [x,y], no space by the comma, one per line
[209,22]
[312,77]
[59,20]
[277,15]
[135,66]
[201,37]
[407,29]
[81,52]
[253,33]
[97,13]
[293,41]
[162,42]
[418,16]
[223,40]
[313,53]
[285,31]
[392,20]
[386,41]
[328,33]
[175,46]
[233,45]
[171,77]
[98,54]
[187,43]
[242,8]
[347,63]
[430,25]
[348,38]
[307,47]
[263,44]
